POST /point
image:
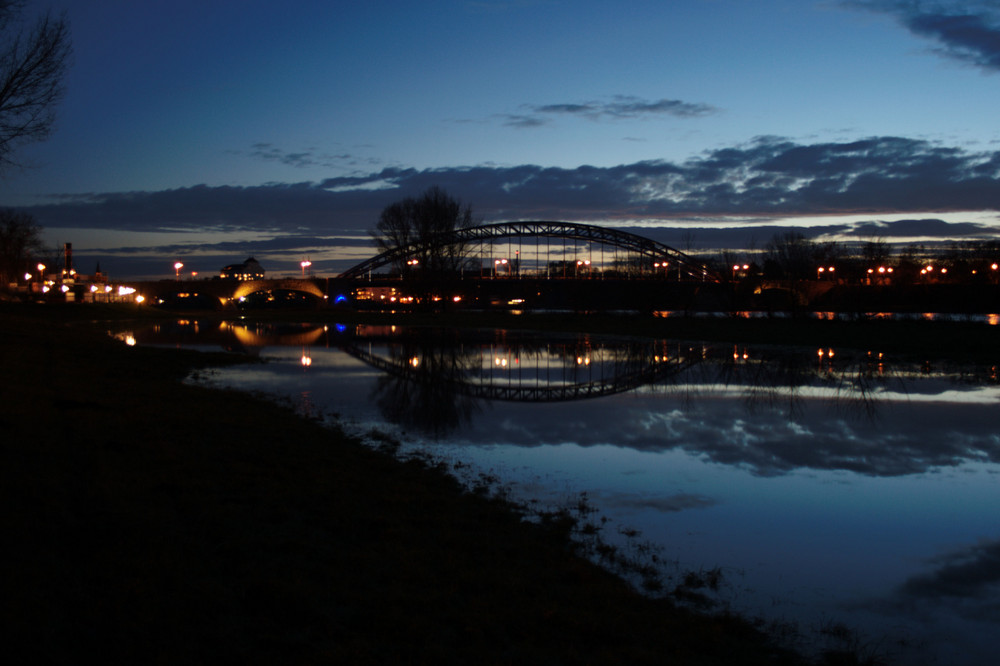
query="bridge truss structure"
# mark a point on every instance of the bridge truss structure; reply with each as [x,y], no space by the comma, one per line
[630,252]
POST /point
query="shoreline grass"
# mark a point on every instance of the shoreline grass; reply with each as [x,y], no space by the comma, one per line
[151,521]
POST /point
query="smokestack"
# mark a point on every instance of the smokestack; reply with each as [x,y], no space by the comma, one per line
[69,256]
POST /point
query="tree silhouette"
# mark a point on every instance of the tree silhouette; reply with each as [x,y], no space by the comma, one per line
[32,64]
[20,242]
[416,221]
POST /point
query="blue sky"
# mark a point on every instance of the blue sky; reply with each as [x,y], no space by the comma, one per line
[211,131]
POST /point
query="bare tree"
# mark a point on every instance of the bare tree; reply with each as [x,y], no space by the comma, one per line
[876,251]
[33,62]
[20,243]
[418,221]
[792,254]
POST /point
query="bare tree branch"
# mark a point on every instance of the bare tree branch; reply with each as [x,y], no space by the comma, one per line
[32,67]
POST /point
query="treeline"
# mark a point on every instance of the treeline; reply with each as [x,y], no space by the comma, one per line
[791,256]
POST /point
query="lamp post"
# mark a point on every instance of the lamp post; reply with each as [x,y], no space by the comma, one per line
[305,263]
[177,270]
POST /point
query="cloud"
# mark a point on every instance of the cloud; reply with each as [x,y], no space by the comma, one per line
[923,228]
[967,31]
[766,177]
[310,157]
[619,107]
[760,182]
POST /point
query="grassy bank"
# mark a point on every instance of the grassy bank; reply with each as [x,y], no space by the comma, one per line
[148,521]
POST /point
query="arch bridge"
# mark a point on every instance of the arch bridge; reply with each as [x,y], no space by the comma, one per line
[631,253]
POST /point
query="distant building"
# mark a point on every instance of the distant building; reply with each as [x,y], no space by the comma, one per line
[248,270]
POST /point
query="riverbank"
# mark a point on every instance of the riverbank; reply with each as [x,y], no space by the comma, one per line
[156,522]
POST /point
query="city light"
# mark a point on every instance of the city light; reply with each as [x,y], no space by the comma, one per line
[305,263]
[177,270]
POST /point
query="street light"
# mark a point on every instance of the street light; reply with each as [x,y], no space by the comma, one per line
[177,269]
[305,263]
[581,262]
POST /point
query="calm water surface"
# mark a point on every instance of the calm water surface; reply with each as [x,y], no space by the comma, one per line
[832,488]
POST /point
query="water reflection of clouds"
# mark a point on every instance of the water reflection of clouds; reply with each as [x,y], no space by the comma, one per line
[909,438]
[971,574]
[666,504]
[955,602]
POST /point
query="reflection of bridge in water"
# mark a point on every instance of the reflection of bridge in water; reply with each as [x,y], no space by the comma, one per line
[491,377]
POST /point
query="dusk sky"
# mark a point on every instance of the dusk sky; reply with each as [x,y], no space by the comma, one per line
[211,131]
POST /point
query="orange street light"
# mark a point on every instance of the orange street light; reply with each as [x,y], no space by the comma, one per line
[305,263]
[177,269]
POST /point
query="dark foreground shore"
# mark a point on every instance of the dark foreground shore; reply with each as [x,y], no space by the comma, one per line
[147,521]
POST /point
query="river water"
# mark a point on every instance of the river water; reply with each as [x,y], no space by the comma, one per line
[849,494]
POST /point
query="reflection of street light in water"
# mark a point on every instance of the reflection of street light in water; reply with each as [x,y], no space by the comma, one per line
[306,359]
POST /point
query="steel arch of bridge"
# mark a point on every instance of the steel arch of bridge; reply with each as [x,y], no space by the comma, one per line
[644,247]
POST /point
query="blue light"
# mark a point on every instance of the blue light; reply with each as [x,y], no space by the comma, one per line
[340,299]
